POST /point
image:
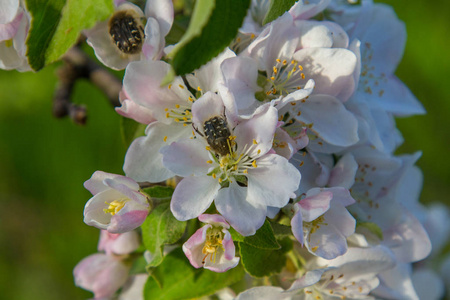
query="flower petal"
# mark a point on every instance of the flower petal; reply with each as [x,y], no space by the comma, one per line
[192,196]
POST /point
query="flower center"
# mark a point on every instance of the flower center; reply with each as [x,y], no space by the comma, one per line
[214,238]
[285,78]
[181,112]
[115,206]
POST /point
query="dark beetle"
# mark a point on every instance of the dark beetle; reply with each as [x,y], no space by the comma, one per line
[218,135]
[127,32]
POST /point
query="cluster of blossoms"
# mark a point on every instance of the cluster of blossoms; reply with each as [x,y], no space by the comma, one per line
[292,123]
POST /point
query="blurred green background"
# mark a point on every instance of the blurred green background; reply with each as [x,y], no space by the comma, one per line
[44,161]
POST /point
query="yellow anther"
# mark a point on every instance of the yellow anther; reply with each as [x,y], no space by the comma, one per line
[314,249]
[165,138]
[278,60]
[208,148]
[220,180]
[292,62]
[259,151]
[166,109]
[181,86]
[275,70]
[185,119]
[167,115]
[293,103]
[199,89]
[302,75]
[177,105]
[214,175]
[170,86]
[272,78]
[300,67]
[254,164]
[301,164]
[255,142]
[190,99]
[115,206]
[284,62]
[252,36]
[184,124]
[299,113]
[177,120]
[209,161]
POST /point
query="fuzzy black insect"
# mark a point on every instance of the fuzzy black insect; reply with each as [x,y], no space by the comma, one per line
[126,32]
[217,135]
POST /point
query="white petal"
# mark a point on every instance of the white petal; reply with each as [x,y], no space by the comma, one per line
[8,10]
[162,10]
[274,181]
[243,213]
[192,196]
[143,161]
[329,119]
[343,173]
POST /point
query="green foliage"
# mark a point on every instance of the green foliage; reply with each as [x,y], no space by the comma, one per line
[175,278]
[56,25]
[213,26]
[281,230]
[264,238]
[277,8]
[158,229]
[159,192]
[130,130]
[260,262]
[372,227]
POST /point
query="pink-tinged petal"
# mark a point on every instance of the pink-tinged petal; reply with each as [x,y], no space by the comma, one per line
[100,273]
[133,288]
[128,220]
[221,264]
[240,75]
[206,107]
[329,118]
[132,110]
[95,184]
[162,10]
[297,225]
[125,190]
[114,243]
[244,214]
[274,180]
[192,196]
[343,173]
[9,30]
[153,46]
[331,68]
[119,2]
[187,157]
[316,203]
[8,11]
[192,248]
[228,245]
[143,161]
[216,220]
[310,278]
[260,129]
[341,195]
[303,10]
[210,76]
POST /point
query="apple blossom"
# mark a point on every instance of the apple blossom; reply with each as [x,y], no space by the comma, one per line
[118,204]
[101,273]
[244,181]
[118,243]
[322,223]
[131,35]
[211,246]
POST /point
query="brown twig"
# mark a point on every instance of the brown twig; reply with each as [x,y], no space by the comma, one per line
[78,65]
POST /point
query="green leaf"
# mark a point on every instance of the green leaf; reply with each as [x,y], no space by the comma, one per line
[258,262]
[277,8]
[214,25]
[159,191]
[158,229]
[264,238]
[281,230]
[372,227]
[130,130]
[175,278]
[56,25]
